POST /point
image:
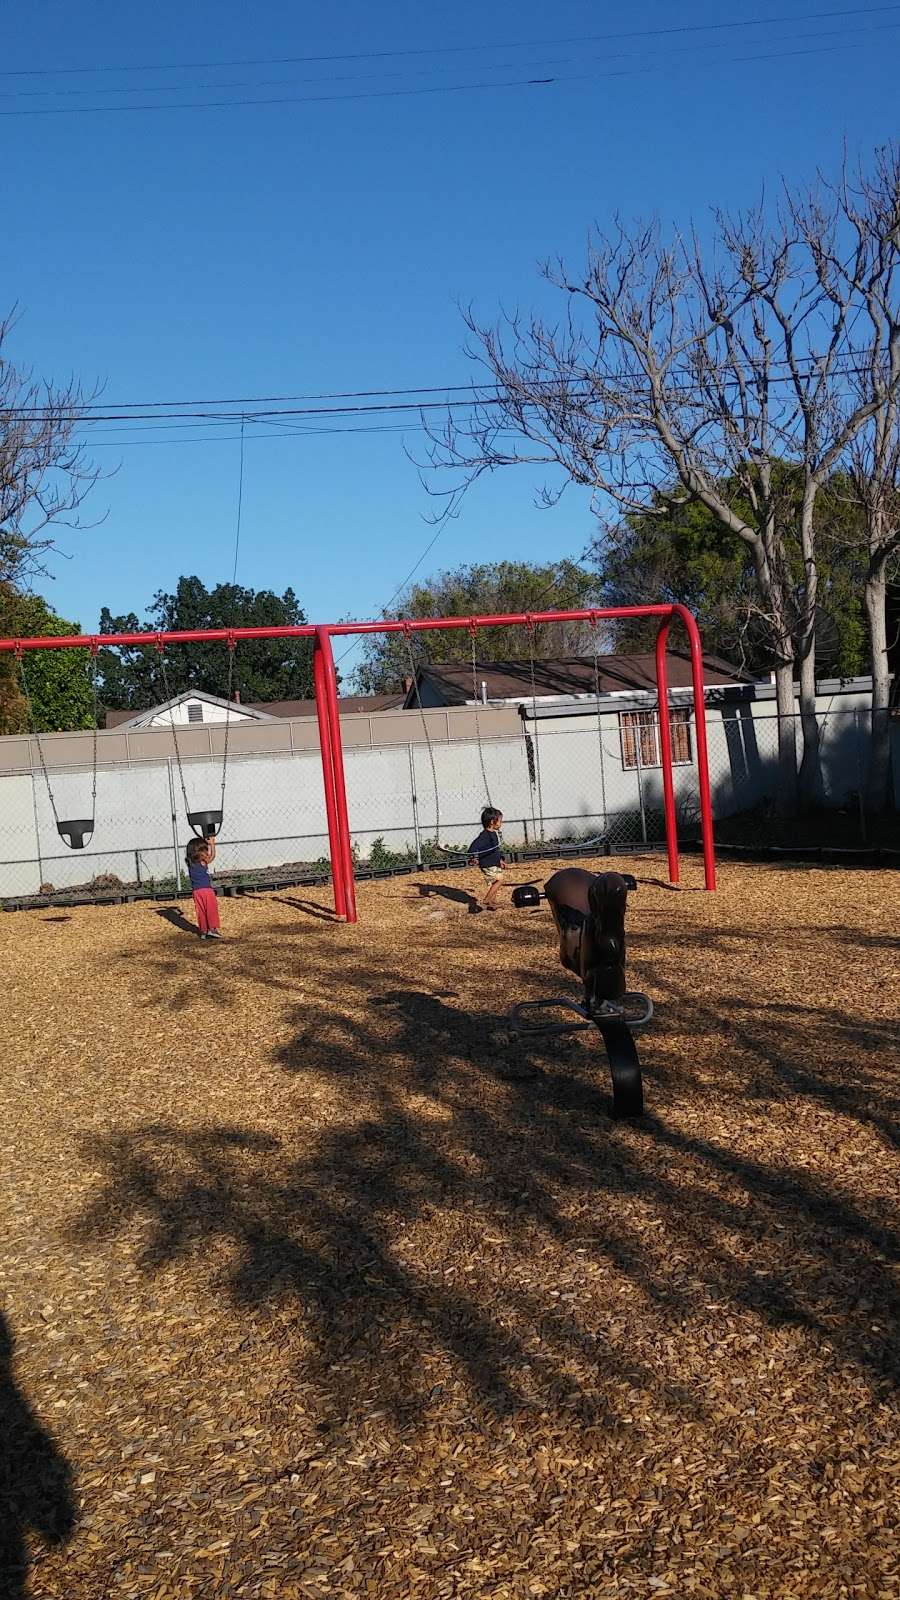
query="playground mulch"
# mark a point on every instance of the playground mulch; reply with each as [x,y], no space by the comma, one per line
[320,1287]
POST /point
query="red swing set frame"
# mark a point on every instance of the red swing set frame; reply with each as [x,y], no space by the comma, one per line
[328,711]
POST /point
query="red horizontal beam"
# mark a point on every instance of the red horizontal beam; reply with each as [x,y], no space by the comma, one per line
[308,630]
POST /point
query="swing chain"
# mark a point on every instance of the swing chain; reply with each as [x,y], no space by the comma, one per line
[19,654]
[530,625]
[95,655]
[473,633]
[231,649]
[596,650]
[168,694]
[414,674]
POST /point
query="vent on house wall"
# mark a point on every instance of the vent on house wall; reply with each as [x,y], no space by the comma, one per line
[195,711]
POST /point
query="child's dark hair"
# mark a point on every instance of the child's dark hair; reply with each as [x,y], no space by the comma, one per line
[490,816]
[194,851]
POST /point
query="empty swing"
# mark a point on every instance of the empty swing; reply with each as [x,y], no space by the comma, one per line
[205,824]
[533,744]
[74,831]
[414,677]
[447,851]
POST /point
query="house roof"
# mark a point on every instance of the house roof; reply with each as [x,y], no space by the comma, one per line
[346,703]
[567,675]
[257,711]
[142,719]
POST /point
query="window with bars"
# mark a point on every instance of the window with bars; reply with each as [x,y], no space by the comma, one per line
[195,711]
[640,737]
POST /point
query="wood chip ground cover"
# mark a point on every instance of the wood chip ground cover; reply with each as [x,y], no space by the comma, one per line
[315,1285]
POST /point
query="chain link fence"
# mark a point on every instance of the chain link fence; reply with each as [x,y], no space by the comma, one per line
[576,784]
[743,765]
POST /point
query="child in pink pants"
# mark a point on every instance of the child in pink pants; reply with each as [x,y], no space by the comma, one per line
[200,853]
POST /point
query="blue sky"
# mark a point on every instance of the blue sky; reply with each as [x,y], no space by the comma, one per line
[302,247]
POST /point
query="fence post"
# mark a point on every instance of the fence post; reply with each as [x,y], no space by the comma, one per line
[605,828]
[174,825]
[537,771]
[415,803]
[37,829]
[860,778]
[637,750]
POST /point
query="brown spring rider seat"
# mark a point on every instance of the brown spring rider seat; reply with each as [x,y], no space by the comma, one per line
[589,911]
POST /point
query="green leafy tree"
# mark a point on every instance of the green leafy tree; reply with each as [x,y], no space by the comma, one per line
[682,553]
[278,669]
[58,681]
[482,589]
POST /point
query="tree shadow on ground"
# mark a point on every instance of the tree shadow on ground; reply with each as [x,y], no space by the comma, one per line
[338,1217]
[35,1480]
[789,1044]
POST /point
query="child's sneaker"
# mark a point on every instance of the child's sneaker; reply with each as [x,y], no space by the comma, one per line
[214,934]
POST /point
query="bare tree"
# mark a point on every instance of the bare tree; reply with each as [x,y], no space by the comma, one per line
[682,373]
[871,206]
[44,474]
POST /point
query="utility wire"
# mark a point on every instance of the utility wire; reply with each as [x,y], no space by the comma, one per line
[399,590]
[482,394]
[458,49]
[386,408]
[240,502]
[542,63]
[552,81]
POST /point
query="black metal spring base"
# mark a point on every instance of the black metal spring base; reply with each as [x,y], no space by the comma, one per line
[618,1042]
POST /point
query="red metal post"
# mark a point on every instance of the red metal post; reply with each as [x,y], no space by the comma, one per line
[334,835]
[706,816]
[329,676]
[665,749]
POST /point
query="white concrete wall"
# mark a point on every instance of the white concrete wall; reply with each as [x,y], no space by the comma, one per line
[275,815]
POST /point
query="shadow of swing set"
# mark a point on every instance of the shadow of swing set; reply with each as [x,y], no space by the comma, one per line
[588,909]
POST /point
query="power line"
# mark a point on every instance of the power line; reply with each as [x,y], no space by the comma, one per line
[319,99]
[463,49]
[278,399]
[481,392]
[387,407]
[240,502]
[541,63]
[553,81]
[398,591]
